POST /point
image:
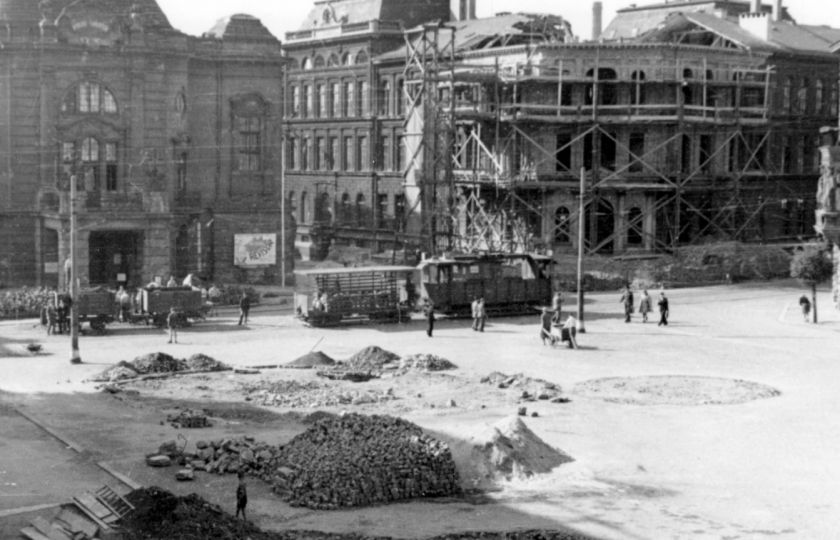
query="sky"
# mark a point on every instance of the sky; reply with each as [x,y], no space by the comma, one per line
[281,16]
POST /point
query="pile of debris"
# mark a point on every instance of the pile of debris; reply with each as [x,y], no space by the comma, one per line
[311,360]
[356,460]
[295,394]
[423,362]
[189,418]
[369,363]
[530,389]
[159,363]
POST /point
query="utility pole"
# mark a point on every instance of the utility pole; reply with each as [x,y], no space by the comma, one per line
[284,116]
[74,282]
[580,326]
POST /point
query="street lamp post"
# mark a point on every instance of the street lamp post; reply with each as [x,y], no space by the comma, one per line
[74,282]
[580,326]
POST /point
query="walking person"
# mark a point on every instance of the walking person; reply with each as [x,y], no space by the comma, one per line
[805,304]
[627,300]
[52,319]
[172,324]
[481,314]
[474,312]
[546,319]
[644,305]
[241,496]
[244,308]
[557,303]
[663,309]
[430,319]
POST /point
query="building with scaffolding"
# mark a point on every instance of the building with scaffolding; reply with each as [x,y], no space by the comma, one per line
[688,122]
[167,136]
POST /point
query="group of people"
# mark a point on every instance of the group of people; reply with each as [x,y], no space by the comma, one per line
[645,306]
[57,317]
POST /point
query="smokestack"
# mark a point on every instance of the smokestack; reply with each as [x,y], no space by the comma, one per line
[756,6]
[777,11]
[597,11]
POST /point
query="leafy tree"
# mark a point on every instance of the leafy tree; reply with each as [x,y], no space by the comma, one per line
[812,265]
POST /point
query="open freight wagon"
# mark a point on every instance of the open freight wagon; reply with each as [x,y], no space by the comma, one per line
[158,300]
[94,306]
[329,296]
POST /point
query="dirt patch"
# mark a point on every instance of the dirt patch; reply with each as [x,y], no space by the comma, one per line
[311,360]
[529,389]
[309,394]
[675,390]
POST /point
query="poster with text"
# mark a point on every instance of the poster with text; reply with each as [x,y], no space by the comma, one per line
[254,249]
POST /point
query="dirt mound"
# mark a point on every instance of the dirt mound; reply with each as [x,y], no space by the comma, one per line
[121,371]
[509,450]
[357,460]
[675,390]
[371,358]
[202,362]
[310,360]
[158,362]
[425,362]
[530,389]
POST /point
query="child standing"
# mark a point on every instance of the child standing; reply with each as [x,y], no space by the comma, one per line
[241,496]
[172,324]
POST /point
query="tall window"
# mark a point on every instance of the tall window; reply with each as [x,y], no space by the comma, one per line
[296,112]
[90,159]
[347,157]
[305,153]
[387,154]
[349,103]
[89,98]
[323,111]
[362,153]
[639,95]
[787,87]
[402,161]
[360,209]
[317,158]
[399,211]
[563,153]
[111,167]
[292,156]
[381,210]
[637,149]
[562,226]
[362,104]
[333,154]
[802,96]
[336,99]
[818,96]
[304,215]
[400,97]
[249,144]
[307,101]
[385,98]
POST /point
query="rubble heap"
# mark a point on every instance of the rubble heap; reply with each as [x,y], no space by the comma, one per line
[367,364]
[424,362]
[233,455]
[530,389]
[357,460]
[311,360]
[295,394]
[189,418]
[159,362]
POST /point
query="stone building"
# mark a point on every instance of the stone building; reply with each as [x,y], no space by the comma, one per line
[169,137]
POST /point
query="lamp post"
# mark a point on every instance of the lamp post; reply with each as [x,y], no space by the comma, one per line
[580,326]
[74,282]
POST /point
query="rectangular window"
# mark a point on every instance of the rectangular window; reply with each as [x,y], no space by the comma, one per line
[387,154]
[292,153]
[305,154]
[637,149]
[347,163]
[333,154]
[362,104]
[323,111]
[385,98]
[317,158]
[296,112]
[381,210]
[787,155]
[250,143]
[68,152]
[336,100]
[362,154]
[685,154]
[349,102]
[111,168]
[400,97]
[706,153]
[109,105]
[563,153]
[88,97]
[399,212]
[608,148]
[307,101]
[402,160]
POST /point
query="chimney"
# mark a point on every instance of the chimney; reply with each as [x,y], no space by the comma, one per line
[597,11]
[756,6]
[777,11]
[466,10]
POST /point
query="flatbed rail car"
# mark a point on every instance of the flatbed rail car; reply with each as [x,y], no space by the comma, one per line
[158,300]
[511,284]
[330,296]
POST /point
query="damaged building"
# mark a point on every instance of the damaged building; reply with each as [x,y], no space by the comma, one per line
[687,121]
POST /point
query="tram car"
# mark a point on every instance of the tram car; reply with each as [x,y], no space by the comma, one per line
[511,284]
[329,296]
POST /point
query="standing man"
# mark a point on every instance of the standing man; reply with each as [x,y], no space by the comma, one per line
[474,310]
[241,496]
[430,318]
[244,308]
[557,303]
[480,314]
[627,300]
[545,327]
[663,309]
[172,324]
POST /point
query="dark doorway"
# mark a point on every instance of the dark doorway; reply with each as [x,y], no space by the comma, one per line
[600,229]
[115,258]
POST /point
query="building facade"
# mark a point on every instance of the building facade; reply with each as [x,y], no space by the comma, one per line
[169,138]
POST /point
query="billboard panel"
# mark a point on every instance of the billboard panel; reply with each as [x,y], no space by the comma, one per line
[254,249]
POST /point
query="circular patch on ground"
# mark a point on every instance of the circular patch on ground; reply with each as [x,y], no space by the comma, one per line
[674,390]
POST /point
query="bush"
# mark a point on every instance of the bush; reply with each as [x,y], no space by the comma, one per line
[24,303]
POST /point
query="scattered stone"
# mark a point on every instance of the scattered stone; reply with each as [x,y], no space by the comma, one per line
[184,475]
[534,414]
[158,461]
[522,411]
[529,389]
[189,418]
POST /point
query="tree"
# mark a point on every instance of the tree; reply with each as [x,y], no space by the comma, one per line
[812,265]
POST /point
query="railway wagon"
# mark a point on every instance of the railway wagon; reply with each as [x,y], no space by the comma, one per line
[511,284]
[158,300]
[326,297]
[94,306]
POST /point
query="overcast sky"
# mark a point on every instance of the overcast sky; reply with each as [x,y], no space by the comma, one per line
[281,16]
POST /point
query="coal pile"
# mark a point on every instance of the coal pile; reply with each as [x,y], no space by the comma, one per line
[311,360]
[357,460]
[529,389]
[159,363]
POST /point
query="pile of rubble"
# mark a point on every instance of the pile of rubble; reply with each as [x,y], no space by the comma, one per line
[529,389]
[423,362]
[311,360]
[189,418]
[159,363]
[309,395]
[356,460]
[369,363]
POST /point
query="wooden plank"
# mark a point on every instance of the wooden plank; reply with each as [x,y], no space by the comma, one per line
[90,514]
[32,534]
[53,533]
[99,510]
[76,522]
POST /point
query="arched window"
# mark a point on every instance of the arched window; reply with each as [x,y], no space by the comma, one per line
[562,226]
[361,57]
[306,64]
[346,59]
[639,96]
[818,96]
[635,227]
[345,213]
[360,209]
[606,90]
[319,62]
[292,205]
[304,218]
[688,87]
[787,95]
[89,97]
[333,60]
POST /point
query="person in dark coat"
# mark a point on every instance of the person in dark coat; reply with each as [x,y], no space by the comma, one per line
[480,314]
[430,319]
[663,309]
[805,304]
[627,300]
[244,308]
[241,496]
[546,318]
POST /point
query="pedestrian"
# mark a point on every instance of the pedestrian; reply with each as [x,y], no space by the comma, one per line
[65,303]
[171,282]
[241,496]
[805,304]
[663,309]
[557,303]
[627,300]
[644,305]
[215,296]
[474,312]
[430,319]
[172,324]
[545,327]
[244,308]
[52,319]
[481,314]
